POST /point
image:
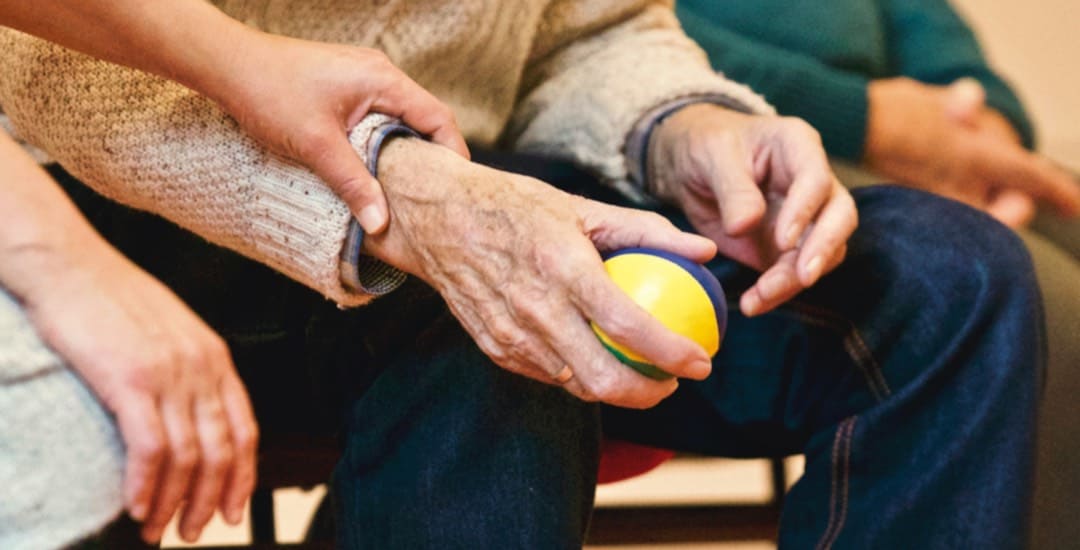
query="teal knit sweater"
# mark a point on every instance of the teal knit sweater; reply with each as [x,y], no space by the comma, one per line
[814,58]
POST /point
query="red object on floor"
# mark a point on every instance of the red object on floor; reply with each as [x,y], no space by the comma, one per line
[621,460]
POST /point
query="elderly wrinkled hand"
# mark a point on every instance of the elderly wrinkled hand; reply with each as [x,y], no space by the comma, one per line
[517,262]
[762,189]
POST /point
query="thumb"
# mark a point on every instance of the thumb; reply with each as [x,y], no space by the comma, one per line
[342,169]
[614,227]
[964,99]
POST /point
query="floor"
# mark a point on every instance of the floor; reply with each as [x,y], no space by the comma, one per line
[679,482]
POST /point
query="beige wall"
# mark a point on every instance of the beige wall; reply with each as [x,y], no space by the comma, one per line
[1036,44]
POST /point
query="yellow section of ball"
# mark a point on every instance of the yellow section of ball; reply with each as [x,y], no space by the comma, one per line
[670,294]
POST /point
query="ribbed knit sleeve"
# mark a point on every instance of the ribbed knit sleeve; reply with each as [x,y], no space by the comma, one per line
[588,85]
[831,100]
[157,146]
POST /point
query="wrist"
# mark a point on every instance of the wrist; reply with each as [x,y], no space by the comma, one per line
[361,272]
[879,124]
[903,118]
[408,164]
[674,139]
[33,268]
[219,66]
[424,184]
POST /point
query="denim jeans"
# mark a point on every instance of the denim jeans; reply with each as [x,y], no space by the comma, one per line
[909,377]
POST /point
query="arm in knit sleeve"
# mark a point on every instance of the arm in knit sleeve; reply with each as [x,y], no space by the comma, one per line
[155,145]
[599,70]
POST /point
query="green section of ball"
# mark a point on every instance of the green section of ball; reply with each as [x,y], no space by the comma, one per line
[644,368]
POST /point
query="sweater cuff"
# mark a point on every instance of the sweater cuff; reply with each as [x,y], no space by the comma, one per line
[637,143]
[361,272]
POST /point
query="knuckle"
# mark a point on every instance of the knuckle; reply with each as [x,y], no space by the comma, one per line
[549,261]
[220,457]
[523,351]
[654,220]
[147,449]
[216,349]
[585,395]
[529,306]
[578,267]
[799,127]
[504,331]
[622,329]
[497,353]
[185,455]
[246,438]
[195,355]
[142,375]
[605,387]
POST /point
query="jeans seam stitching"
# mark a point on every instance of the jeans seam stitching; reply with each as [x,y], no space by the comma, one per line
[840,483]
[853,343]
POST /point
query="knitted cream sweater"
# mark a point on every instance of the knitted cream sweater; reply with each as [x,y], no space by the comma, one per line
[61,459]
[569,78]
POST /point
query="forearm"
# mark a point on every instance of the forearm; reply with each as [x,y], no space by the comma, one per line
[154,145]
[189,41]
[43,232]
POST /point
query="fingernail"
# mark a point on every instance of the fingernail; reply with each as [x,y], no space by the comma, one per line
[190,534]
[138,511]
[813,269]
[750,304]
[371,218]
[791,238]
[152,535]
[702,368]
[234,515]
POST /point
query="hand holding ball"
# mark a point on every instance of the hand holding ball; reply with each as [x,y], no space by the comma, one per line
[683,295]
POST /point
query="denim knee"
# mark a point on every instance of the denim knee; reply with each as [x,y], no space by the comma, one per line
[956,279]
[950,310]
[959,245]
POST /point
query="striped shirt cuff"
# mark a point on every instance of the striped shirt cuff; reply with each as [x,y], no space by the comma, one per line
[361,272]
[637,143]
